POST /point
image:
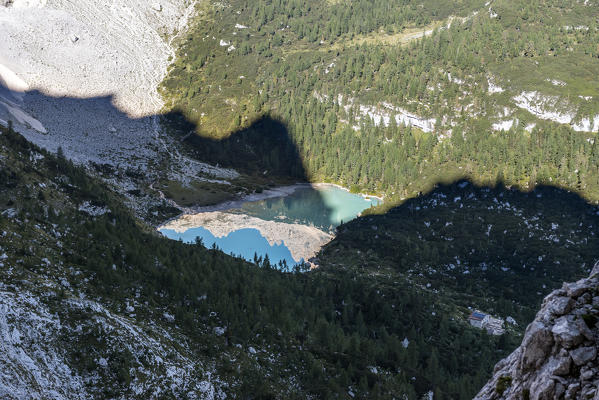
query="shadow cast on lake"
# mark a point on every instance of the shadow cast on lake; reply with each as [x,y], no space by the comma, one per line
[94,130]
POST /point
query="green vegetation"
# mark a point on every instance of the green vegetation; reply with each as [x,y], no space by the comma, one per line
[276,89]
[332,330]
[502,384]
[495,249]
[291,64]
[198,193]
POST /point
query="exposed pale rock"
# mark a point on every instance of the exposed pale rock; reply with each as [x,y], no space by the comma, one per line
[302,241]
[560,365]
[62,92]
[560,306]
[572,390]
[555,109]
[122,48]
[558,355]
[583,355]
[537,342]
[575,289]
[584,329]
[566,331]
[587,374]
[542,389]
[588,392]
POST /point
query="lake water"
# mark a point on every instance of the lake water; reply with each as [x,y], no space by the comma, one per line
[323,206]
[274,224]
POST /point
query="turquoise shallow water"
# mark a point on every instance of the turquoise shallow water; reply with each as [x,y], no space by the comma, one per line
[324,207]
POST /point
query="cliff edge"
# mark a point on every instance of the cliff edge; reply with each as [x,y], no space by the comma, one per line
[558,355]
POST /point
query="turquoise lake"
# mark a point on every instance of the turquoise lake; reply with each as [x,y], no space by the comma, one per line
[323,207]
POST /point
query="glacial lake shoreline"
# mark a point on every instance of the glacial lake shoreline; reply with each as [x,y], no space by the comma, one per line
[278,191]
[288,223]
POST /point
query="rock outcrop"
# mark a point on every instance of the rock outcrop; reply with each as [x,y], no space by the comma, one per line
[558,355]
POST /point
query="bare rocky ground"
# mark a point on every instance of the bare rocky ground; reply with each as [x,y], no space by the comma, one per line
[558,355]
[83,76]
[90,48]
[302,241]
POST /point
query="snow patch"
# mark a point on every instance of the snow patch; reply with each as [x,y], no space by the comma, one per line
[503,125]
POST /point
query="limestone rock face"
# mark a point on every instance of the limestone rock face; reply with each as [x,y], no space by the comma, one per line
[558,355]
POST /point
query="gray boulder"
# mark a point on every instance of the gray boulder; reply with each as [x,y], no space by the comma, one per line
[566,331]
[536,345]
[583,355]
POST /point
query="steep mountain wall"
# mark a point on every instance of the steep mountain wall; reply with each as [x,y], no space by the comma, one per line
[558,355]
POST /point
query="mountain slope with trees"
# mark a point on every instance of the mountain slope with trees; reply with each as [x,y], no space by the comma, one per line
[505,89]
[348,327]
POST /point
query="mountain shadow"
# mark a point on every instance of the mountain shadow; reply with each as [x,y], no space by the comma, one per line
[491,247]
[92,130]
[378,316]
[263,148]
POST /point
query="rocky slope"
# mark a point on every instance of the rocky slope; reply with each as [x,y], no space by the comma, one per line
[57,340]
[558,355]
[93,48]
[82,76]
